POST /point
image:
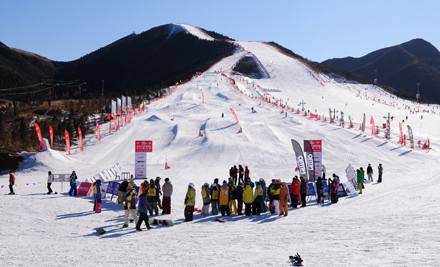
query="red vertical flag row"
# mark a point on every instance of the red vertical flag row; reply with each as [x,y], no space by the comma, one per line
[40,137]
[66,134]
[98,131]
[80,139]
[51,135]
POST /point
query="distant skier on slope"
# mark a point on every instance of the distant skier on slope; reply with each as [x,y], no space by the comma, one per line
[49,182]
[73,179]
[11,183]
[380,168]
[370,172]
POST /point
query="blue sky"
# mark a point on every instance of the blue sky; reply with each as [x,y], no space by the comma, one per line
[318,30]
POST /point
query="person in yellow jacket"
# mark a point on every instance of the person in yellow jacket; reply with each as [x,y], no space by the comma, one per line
[258,199]
[284,199]
[232,197]
[190,202]
[248,197]
[130,206]
[224,199]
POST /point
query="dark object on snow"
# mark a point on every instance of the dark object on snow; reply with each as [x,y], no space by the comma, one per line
[296,260]
[100,231]
[163,222]
[222,220]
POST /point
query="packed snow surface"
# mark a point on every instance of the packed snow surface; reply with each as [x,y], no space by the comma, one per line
[393,223]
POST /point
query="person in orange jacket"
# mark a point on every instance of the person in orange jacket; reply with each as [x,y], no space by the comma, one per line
[284,199]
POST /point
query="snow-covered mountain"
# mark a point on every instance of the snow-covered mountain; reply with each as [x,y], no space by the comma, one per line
[392,223]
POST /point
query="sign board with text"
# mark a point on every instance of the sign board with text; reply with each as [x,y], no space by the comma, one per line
[141,149]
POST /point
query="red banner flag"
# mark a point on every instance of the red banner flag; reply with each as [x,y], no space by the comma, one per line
[120,119]
[66,134]
[373,127]
[401,133]
[235,115]
[40,137]
[98,131]
[51,135]
[129,115]
[80,139]
[114,120]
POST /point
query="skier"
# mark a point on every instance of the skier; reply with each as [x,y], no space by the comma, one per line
[370,172]
[224,199]
[153,197]
[130,206]
[49,182]
[284,199]
[122,190]
[294,191]
[275,192]
[73,179]
[246,172]
[167,192]
[190,202]
[215,193]
[303,190]
[97,191]
[238,192]
[240,173]
[143,209]
[258,198]
[360,179]
[232,197]
[380,168]
[11,183]
[263,202]
[206,199]
[319,188]
[248,197]
[157,183]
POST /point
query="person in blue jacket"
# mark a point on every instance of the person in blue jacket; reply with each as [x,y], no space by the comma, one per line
[73,188]
[143,207]
[263,202]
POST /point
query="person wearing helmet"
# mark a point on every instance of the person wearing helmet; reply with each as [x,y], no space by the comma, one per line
[206,199]
[215,193]
[153,196]
[122,191]
[190,202]
[73,178]
[12,182]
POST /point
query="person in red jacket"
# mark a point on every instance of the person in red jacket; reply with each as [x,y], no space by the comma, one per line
[11,183]
[246,172]
[294,191]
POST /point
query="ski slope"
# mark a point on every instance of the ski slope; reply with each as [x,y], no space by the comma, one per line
[392,223]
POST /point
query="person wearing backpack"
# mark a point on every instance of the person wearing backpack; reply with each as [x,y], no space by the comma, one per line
[153,196]
[215,194]
[224,199]
[206,199]
[258,198]
[73,179]
[130,206]
[122,190]
[238,192]
[232,197]
[143,208]
[248,197]
[190,202]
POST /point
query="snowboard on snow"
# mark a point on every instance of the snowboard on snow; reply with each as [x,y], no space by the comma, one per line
[162,222]
[101,230]
[222,220]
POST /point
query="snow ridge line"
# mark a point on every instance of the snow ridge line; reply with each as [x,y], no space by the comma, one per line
[313,72]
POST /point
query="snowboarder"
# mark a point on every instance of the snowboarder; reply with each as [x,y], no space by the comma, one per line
[143,209]
[319,188]
[73,179]
[167,192]
[240,173]
[232,198]
[360,179]
[246,172]
[239,196]
[284,199]
[380,168]
[303,190]
[153,197]
[130,206]
[248,197]
[215,193]
[224,199]
[206,198]
[275,192]
[263,202]
[370,172]
[190,202]
[122,190]
[97,191]
[49,182]
[258,198]
[11,183]
[157,183]
[294,191]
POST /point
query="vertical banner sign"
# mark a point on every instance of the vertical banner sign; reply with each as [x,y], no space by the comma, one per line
[113,107]
[66,134]
[316,147]
[114,120]
[124,103]
[80,139]
[301,164]
[373,127]
[40,137]
[411,137]
[118,104]
[51,135]
[235,115]
[363,124]
[129,114]
[141,149]
[98,131]
[310,160]
[129,102]
[401,133]
[120,119]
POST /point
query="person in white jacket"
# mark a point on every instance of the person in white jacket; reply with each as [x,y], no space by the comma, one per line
[49,182]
